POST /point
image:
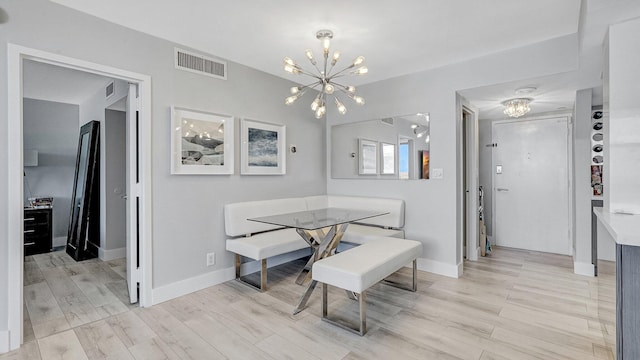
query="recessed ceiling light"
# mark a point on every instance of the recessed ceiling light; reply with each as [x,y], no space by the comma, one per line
[526,90]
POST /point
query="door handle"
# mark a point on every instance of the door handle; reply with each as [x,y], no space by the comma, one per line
[124,197]
[502,189]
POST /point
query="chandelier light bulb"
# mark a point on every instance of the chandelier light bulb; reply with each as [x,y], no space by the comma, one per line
[328,88]
[361,70]
[310,56]
[341,108]
[359,60]
[320,111]
[336,56]
[324,77]
[315,104]
[290,100]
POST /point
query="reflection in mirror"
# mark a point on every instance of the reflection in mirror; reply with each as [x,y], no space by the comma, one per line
[388,158]
[368,155]
[394,145]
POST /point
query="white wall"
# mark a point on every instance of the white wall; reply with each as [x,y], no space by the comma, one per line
[51,128]
[187,210]
[432,206]
[622,140]
[582,192]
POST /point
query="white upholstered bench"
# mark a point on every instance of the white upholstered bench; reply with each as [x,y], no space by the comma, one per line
[260,241]
[360,268]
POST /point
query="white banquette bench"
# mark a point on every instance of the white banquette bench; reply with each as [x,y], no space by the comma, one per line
[260,241]
[358,269]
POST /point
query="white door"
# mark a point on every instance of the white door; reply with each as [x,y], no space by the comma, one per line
[133,194]
[531,185]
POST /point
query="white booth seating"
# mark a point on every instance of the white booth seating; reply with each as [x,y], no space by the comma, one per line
[259,241]
[360,268]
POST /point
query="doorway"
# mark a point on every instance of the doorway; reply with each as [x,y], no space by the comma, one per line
[531,184]
[468,185]
[141,192]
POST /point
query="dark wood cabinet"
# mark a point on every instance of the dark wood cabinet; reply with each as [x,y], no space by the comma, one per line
[37,231]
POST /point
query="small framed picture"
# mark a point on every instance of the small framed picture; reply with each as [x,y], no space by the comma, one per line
[367,157]
[424,168]
[262,148]
[202,143]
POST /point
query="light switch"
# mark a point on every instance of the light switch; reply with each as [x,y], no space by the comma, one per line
[437,173]
[499,169]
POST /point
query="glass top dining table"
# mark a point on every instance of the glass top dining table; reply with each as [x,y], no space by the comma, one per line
[322,229]
[316,219]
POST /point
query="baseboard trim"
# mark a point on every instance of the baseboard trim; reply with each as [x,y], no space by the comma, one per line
[59,241]
[196,283]
[190,285]
[440,268]
[4,341]
[581,268]
[106,255]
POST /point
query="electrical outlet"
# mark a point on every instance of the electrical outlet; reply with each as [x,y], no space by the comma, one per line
[211,259]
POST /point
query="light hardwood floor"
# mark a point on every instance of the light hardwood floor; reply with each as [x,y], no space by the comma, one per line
[513,304]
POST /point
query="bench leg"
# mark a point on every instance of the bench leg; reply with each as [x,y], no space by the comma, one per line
[414,284]
[263,275]
[362,302]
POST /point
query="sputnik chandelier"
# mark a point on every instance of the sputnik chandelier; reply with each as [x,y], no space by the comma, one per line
[516,107]
[325,79]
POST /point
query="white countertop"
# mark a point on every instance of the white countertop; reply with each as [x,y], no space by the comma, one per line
[624,228]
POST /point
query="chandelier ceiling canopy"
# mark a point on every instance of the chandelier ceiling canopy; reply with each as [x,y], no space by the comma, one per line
[516,107]
[325,78]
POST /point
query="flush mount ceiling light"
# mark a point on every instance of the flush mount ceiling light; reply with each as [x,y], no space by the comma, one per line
[325,79]
[516,107]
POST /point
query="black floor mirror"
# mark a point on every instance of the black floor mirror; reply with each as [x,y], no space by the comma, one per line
[83,237]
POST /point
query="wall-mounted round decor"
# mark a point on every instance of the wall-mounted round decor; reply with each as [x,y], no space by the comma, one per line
[597,137]
[598,159]
[597,115]
[597,125]
[597,148]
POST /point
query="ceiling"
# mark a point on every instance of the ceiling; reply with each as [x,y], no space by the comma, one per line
[54,83]
[396,38]
[421,35]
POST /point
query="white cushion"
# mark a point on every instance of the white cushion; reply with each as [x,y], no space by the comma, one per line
[359,268]
[268,244]
[359,234]
[236,214]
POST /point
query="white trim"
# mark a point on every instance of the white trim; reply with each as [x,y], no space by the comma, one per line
[15,214]
[106,255]
[440,268]
[187,286]
[581,268]
[15,55]
[59,241]
[4,341]
[196,283]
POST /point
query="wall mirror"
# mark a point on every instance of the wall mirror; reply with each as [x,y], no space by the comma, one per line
[391,148]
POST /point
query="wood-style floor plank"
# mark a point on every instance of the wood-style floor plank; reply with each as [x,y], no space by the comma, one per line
[513,304]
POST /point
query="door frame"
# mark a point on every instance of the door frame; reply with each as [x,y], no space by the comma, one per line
[15,56]
[467,137]
[569,150]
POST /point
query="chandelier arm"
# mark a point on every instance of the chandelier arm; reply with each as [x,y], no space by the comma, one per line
[341,71]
